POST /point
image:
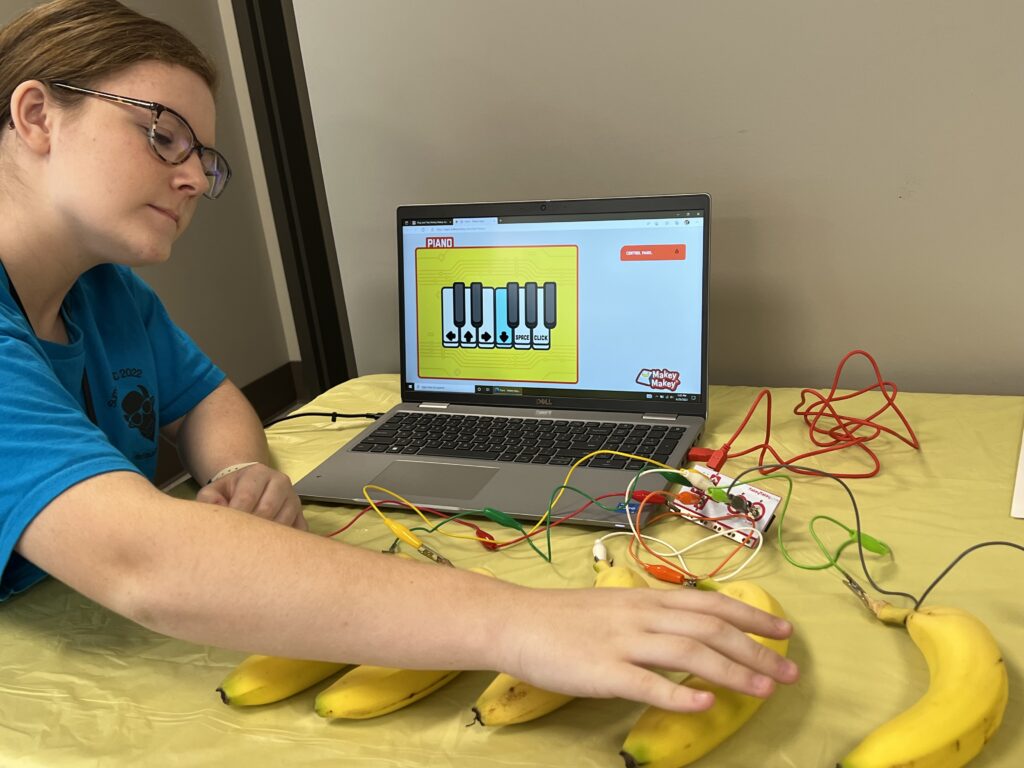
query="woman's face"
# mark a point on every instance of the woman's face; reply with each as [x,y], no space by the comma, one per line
[120,202]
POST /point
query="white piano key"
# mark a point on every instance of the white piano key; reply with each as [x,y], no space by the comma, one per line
[485,333]
[449,331]
[540,335]
[502,330]
[522,338]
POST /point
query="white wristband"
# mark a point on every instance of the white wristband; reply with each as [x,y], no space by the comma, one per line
[228,470]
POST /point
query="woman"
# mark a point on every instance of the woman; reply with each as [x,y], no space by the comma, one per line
[105,150]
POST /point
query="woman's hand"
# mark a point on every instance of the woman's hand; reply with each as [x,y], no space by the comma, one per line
[603,643]
[259,490]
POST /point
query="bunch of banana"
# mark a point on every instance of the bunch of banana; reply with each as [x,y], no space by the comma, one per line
[508,700]
[663,739]
[963,706]
[266,679]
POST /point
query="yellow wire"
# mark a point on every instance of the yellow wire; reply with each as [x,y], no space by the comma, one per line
[396,527]
[576,465]
[410,538]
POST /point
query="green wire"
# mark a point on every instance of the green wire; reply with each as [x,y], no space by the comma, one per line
[477,512]
[832,559]
[496,515]
[782,518]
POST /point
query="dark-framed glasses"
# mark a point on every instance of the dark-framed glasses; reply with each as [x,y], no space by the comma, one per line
[171,138]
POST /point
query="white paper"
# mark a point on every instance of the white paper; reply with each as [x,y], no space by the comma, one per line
[735,528]
[1017,505]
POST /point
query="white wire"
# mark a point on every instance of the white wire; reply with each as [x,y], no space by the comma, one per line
[664,543]
[671,551]
[678,553]
[725,532]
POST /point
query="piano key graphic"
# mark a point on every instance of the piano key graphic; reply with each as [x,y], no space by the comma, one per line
[522,336]
[485,327]
[504,309]
[513,316]
[449,329]
[546,320]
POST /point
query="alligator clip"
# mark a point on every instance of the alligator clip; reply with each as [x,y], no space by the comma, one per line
[857,590]
[437,557]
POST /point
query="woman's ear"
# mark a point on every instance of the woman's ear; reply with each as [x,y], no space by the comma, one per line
[32,112]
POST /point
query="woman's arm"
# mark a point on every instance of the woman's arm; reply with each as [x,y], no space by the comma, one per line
[211,574]
[223,431]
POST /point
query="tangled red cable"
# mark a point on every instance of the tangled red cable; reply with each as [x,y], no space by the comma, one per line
[829,430]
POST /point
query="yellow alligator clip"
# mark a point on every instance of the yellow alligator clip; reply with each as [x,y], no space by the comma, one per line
[413,541]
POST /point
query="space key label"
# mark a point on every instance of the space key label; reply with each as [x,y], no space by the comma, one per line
[653,252]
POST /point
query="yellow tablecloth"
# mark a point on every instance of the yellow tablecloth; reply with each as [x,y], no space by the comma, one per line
[82,686]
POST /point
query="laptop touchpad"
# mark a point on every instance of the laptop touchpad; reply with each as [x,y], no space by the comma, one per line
[420,478]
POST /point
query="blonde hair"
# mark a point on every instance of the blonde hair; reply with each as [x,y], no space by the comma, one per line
[83,41]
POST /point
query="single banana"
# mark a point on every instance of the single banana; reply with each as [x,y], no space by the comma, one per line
[266,679]
[371,691]
[509,700]
[663,739]
[963,706]
[368,691]
[609,575]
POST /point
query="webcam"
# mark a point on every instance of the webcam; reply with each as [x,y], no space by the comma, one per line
[543,206]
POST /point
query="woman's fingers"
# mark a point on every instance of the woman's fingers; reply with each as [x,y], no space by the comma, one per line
[637,683]
[747,667]
[260,491]
[618,636]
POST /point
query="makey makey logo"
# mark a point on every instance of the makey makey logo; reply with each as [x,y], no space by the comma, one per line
[658,378]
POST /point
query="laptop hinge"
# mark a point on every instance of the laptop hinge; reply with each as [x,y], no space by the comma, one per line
[660,416]
[438,406]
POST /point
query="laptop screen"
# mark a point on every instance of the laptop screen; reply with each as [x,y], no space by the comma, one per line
[567,303]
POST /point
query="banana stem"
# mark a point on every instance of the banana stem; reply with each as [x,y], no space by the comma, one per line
[884,611]
[887,612]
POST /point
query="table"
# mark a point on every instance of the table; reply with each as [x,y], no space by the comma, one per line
[82,686]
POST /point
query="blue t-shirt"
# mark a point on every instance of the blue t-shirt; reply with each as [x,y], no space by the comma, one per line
[142,372]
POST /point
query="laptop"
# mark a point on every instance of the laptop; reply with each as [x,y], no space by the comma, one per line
[533,333]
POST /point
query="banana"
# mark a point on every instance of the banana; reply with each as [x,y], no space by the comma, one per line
[266,679]
[368,691]
[663,739]
[609,575]
[963,706]
[509,700]
[371,691]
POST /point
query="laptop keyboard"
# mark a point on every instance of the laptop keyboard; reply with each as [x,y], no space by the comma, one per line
[521,440]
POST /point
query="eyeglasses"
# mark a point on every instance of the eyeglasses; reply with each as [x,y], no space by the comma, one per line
[171,138]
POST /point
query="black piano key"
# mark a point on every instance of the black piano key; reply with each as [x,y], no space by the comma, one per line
[513,305]
[530,319]
[459,301]
[476,304]
[549,305]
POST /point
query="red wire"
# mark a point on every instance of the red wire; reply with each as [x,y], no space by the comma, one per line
[486,538]
[395,503]
[558,521]
[841,436]
[643,542]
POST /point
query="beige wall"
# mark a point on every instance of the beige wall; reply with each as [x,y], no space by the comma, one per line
[219,284]
[864,158]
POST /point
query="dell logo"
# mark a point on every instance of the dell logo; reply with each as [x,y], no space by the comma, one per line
[543,401]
